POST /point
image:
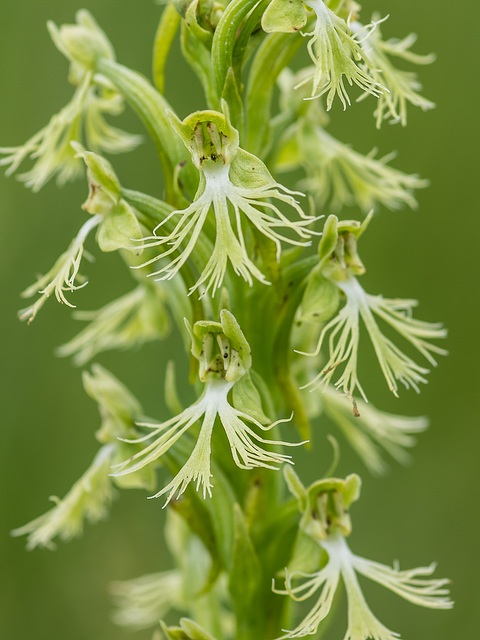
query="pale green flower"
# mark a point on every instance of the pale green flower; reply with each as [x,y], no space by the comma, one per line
[131,320]
[337,56]
[343,333]
[143,601]
[88,499]
[81,119]
[372,430]
[239,189]
[213,403]
[63,276]
[339,176]
[403,86]
[224,357]
[325,508]
[411,584]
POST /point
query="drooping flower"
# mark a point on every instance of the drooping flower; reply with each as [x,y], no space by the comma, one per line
[239,189]
[63,276]
[373,430]
[81,119]
[88,499]
[339,263]
[340,176]
[224,357]
[325,519]
[131,320]
[403,86]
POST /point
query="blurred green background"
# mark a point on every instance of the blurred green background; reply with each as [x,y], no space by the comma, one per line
[428,511]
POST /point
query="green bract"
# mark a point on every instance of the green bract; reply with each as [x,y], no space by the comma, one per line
[225,270]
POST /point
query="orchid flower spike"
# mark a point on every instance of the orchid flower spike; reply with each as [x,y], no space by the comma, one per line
[224,357]
[239,189]
[325,519]
[340,264]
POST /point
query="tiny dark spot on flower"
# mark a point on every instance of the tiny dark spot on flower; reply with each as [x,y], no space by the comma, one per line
[182,163]
[225,355]
[314,514]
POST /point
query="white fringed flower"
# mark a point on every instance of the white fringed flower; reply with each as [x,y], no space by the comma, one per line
[88,499]
[143,601]
[62,276]
[373,430]
[340,176]
[131,320]
[403,86]
[343,334]
[232,204]
[242,438]
[412,585]
[82,118]
[336,55]
[242,194]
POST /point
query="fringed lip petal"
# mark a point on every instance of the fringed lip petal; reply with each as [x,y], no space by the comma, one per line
[212,404]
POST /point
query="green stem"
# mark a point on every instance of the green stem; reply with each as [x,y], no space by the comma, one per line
[152,108]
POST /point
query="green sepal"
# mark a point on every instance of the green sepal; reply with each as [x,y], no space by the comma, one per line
[167,28]
[338,254]
[220,347]
[113,398]
[329,239]
[296,487]
[248,171]
[120,229]
[320,300]
[327,506]
[246,398]
[246,571]
[285,16]
[82,43]
[102,179]
[202,35]
[203,140]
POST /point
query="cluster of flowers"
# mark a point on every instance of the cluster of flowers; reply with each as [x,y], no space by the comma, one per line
[236,207]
